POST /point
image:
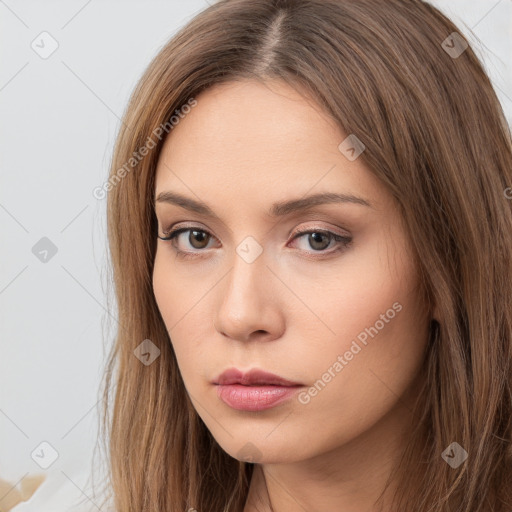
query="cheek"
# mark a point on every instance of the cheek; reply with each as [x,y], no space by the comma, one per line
[180,300]
[164,289]
[367,295]
[171,297]
[372,305]
[381,331]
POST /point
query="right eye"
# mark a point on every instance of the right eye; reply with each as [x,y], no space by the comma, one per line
[196,238]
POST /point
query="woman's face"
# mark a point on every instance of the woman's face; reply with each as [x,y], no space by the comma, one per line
[326,297]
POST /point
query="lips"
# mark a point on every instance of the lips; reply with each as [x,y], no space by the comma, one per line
[254,377]
[255,390]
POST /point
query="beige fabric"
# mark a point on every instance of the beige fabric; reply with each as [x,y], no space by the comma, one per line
[11,495]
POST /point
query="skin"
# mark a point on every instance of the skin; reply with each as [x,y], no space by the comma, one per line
[243,147]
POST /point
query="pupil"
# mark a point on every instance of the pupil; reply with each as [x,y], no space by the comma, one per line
[315,236]
[198,234]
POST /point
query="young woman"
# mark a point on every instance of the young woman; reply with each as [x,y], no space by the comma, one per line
[310,226]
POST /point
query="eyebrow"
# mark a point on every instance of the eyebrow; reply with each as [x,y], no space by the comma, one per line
[278,209]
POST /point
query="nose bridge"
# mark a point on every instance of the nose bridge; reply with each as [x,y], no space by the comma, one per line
[246,298]
[244,279]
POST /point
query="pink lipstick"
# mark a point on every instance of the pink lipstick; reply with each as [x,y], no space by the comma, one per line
[255,390]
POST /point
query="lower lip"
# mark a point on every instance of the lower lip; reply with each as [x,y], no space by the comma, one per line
[254,398]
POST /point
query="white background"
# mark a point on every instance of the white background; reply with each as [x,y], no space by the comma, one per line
[59,117]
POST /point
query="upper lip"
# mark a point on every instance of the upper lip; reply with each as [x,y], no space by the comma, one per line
[254,377]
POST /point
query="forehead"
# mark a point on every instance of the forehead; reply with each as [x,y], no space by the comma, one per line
[258,141]
[250,122]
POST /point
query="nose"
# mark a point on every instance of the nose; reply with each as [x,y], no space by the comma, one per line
[249,306]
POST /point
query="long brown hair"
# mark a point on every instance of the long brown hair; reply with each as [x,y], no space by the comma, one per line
[394,74]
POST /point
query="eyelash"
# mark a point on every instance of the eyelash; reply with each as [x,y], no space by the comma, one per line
[169,236]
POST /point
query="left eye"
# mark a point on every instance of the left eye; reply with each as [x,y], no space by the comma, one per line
[199,238]
[316,239]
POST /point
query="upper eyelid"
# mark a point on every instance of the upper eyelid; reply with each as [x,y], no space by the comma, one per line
[196,224]
[313,217]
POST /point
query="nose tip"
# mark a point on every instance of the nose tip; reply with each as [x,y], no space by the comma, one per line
[249,306]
